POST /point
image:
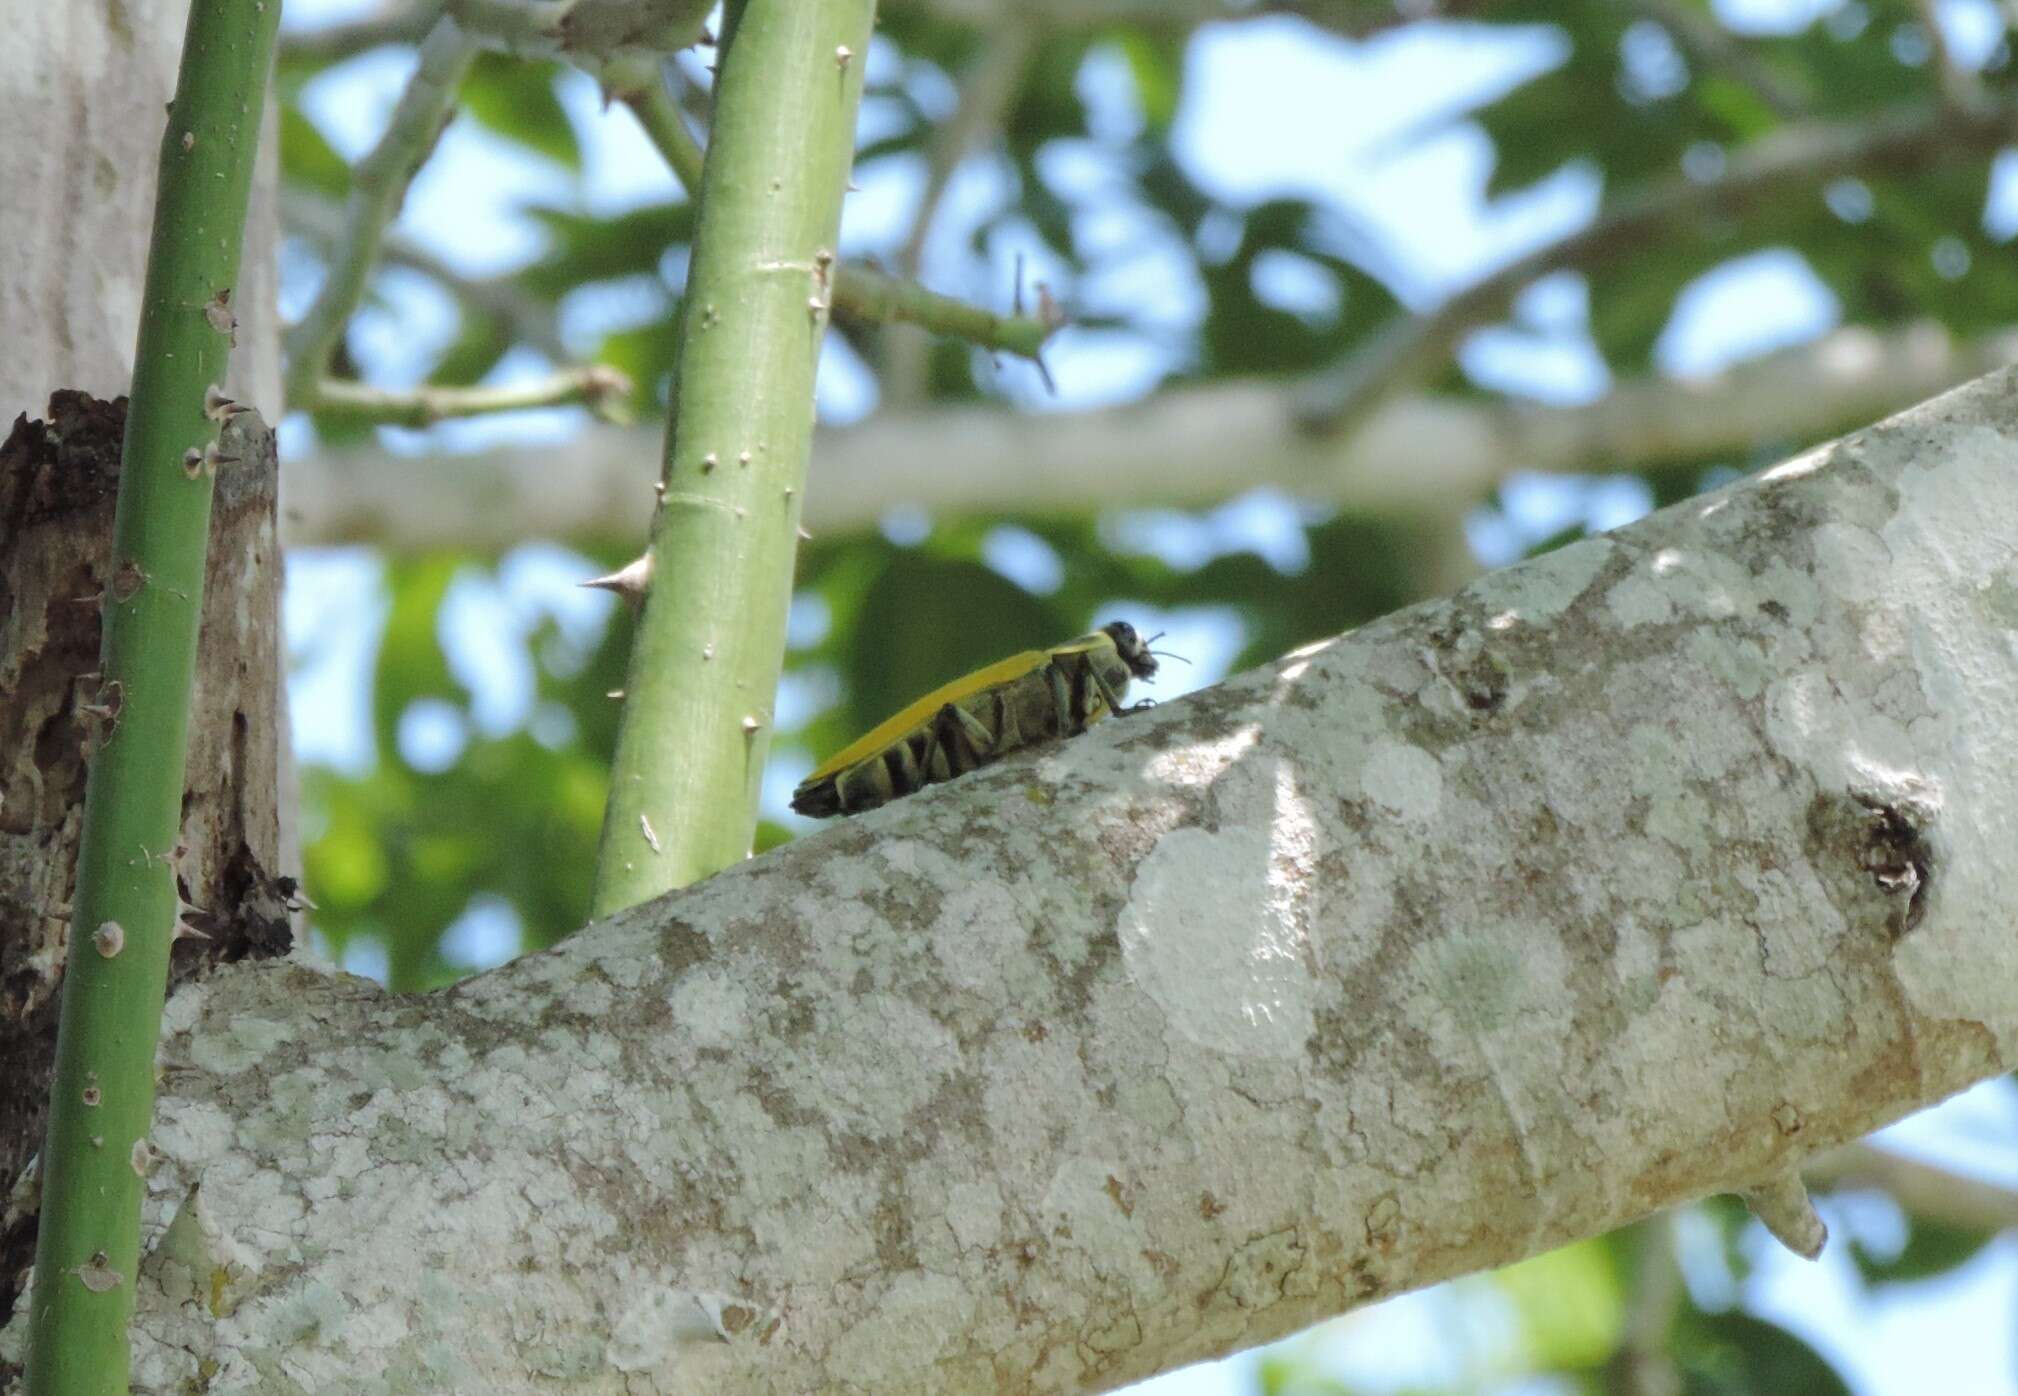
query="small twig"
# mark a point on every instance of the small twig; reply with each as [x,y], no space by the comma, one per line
[601,389]
[1958,84]
[1923,1189]
[1783,1207]
[530,319]
[640,84]
[333,43]
[1644,1364]
[861,293]
[865,295]
[377,189]
[1803,154]
[988,87]
[1713,46]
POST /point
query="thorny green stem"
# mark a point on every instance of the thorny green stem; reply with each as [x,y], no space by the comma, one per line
[861,294]
[124,911]
[697,720]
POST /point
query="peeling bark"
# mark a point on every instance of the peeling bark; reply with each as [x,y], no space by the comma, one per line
[1637,872]
[59,480]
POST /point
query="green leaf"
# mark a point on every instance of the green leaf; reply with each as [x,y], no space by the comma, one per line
[585,249]
[307,159]
[1932,1248]
[1157,66]
[1734,1354]
[411,664]
[1570,1308]
[516,100]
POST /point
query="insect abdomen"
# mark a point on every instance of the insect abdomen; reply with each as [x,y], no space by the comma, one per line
[1055,699]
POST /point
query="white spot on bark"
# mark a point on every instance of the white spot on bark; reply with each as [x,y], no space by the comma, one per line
[1403,778]
[1201,763]
[1638,599]
[1246,995]
[660,1319]
[712,1008]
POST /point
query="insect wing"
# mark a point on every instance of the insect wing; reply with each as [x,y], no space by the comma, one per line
[892,730]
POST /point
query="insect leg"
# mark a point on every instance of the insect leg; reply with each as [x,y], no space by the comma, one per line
[1063,699]
[1113,699]
[974,730]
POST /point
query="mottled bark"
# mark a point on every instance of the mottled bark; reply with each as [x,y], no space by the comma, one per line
[1636,872]
[58,481]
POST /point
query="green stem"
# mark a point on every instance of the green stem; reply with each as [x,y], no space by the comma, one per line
[710,645]
[603,390]
[377,191]
[862,295]
[636,83]
[125,903]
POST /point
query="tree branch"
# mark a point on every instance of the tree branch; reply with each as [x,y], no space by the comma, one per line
[333,43]
[1637,872]
[1356,19]
[598,387]
[1704,38]
[378,187]
[1922,1189]
[1904,136]
[865,295]
[531,319]
[859,292]
[1416,457]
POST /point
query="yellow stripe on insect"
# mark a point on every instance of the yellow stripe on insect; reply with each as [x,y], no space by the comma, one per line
[1038,695]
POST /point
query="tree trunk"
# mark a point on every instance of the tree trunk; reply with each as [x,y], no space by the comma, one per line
[1637,872]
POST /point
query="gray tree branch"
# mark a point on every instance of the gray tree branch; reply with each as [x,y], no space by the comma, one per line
[1640,871]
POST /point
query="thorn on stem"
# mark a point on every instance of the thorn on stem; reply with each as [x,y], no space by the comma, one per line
[631,581]
[217,310]
[218,407]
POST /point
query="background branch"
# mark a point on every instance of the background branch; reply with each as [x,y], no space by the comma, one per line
[1418,456]
[1791,157]
[334,43]
[378,188]
[599,388]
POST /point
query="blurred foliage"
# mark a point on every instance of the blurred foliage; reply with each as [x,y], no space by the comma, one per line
[403,849]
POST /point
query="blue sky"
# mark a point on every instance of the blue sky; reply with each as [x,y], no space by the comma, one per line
[1271,108]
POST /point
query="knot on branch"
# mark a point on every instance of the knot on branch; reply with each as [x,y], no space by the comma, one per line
[1881,848]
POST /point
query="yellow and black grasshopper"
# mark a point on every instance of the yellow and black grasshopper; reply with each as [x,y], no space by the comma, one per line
[1030,697]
